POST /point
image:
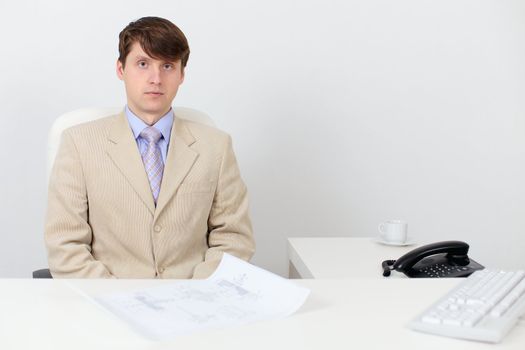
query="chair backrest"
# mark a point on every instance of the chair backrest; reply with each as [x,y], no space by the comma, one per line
[87,114]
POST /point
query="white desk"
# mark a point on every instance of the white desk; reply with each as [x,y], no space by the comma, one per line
[339,314]
[341,257]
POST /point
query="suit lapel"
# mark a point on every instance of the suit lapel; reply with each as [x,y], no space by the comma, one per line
[179,161]
[124,152]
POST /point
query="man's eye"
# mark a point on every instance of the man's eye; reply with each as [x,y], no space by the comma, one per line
[142,64]
[168,66]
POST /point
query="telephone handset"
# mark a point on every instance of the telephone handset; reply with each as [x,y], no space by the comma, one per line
[441,259]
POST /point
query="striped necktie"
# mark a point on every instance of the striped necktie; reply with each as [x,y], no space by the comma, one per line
[152,159]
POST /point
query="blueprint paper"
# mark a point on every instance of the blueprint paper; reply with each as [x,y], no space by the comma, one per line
[237,293]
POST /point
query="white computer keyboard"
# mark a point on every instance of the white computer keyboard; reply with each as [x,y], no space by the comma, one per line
[483,307]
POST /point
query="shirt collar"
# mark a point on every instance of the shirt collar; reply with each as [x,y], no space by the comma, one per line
[163,125]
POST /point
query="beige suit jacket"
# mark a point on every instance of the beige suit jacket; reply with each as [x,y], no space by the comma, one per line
[102,221]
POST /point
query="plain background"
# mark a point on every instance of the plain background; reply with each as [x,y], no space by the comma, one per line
[343,113]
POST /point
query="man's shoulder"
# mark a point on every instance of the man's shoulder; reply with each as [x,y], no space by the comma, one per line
[96,127]
[203,132]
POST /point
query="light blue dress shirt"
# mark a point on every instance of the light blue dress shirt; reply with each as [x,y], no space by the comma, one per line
[163,125]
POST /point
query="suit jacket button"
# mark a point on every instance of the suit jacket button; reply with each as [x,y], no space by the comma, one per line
[157,228]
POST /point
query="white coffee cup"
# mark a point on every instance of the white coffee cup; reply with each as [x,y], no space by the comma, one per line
[393,231]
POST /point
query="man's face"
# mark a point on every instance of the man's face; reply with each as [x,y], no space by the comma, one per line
[151,84]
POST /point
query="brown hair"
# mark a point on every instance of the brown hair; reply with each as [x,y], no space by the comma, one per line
[158,37]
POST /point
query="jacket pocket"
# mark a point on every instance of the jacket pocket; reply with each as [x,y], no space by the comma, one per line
[195,187]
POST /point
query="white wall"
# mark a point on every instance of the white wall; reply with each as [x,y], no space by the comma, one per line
[343,113]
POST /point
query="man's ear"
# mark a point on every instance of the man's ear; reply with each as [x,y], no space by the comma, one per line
[120,70]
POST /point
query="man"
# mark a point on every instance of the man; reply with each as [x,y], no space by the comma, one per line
[145,194]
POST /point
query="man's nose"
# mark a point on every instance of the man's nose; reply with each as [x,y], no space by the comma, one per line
[154,77]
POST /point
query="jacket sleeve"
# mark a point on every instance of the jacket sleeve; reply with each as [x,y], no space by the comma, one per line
[229,225]
[68,234]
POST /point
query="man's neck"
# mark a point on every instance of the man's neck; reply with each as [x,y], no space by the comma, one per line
[148,118]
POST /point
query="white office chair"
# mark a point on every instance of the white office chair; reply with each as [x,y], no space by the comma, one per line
[87,114]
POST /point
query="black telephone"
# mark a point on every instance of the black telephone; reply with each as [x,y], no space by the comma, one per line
[441,259]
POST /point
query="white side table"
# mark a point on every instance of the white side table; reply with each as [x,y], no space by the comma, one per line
[341,257]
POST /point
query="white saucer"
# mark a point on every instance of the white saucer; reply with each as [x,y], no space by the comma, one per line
[409,241]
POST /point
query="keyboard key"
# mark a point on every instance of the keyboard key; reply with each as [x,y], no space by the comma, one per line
[431,319]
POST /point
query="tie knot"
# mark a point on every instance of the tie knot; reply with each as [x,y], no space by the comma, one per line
[151,134]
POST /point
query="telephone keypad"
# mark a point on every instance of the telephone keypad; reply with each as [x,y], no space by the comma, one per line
[443,270]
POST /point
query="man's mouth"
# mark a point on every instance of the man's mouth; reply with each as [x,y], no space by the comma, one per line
[154,93]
